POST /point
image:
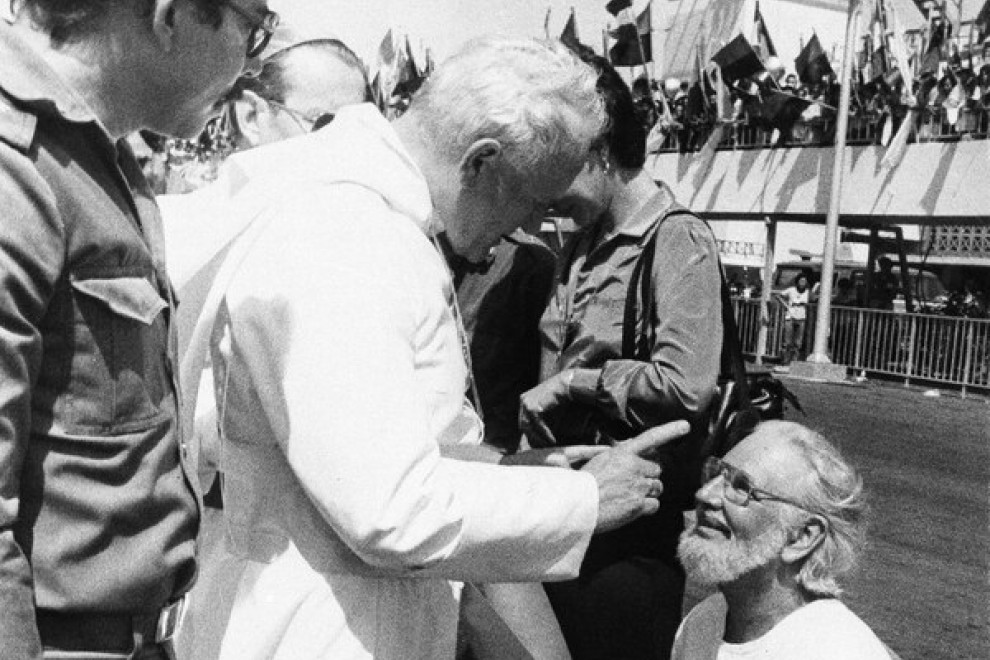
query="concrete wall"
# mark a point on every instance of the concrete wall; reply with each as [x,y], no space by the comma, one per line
[935,182]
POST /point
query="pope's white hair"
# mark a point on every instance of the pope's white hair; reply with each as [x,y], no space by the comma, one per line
[536,98]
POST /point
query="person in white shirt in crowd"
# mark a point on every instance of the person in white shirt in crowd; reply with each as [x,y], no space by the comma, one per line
[795,298]
[779,520]
[340,375]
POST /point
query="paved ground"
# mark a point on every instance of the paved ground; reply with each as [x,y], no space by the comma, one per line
[924,583]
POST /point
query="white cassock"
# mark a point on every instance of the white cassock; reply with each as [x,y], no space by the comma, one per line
[339,372]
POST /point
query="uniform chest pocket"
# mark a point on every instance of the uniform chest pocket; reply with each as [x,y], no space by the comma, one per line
[120,374]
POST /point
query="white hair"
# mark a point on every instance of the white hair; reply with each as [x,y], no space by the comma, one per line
[835,491]
[535,97]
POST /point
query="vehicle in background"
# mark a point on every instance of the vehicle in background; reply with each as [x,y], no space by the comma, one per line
[927,290]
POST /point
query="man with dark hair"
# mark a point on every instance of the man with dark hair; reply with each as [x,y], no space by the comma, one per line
[98,512]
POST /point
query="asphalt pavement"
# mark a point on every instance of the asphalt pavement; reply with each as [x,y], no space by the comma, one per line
[923,583]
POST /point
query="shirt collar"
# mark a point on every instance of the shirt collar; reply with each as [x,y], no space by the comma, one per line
[644,218]
[27,78]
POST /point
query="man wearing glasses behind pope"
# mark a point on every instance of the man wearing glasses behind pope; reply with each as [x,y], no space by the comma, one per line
[778,521]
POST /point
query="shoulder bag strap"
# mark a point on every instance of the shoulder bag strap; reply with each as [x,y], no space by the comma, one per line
[640,346]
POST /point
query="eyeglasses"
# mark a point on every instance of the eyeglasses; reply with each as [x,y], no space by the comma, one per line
[738,486]
[316,122]
[261,30]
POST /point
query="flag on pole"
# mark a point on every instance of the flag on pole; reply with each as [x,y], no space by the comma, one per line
[812,63]
[762,42]
[737,60]
[616,6]
[933,53]
[982,21]
[570,34]
[409,79]
[429,65]
[633,39]
[386,50]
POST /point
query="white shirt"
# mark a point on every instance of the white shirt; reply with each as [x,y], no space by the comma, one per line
[345,376]
[824,629]
[797,303]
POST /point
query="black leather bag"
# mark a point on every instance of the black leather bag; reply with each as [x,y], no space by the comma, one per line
[745,395]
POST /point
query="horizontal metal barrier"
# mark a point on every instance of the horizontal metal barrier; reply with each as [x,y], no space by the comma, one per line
[936,125]
[920,347]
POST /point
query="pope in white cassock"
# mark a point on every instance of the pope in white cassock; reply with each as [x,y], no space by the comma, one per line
[339,369]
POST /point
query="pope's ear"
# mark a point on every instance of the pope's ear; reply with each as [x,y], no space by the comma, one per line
[479,161]
[163,22]
[802,541]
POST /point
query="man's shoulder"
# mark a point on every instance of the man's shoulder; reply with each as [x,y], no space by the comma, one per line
[834,631]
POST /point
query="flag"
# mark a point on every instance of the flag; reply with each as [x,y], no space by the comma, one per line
[409,79]
[898,146]
[781,111]
[376,91]
[615,6]
[933,54]
[723,101]
[429,65]
[982,21]
[812,62]
[570,35]
[763,43]
[737,60]
[386,51]
[633,40]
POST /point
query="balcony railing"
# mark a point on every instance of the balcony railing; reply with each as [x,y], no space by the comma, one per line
[916,347]
[936,125]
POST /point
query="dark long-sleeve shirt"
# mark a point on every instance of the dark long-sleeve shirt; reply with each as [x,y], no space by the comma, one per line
[97,513]
[501,301]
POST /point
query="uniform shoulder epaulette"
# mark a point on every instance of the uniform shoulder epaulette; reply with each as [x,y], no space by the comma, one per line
[17,126]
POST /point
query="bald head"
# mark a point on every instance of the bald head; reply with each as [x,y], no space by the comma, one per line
[298,86]
[316,76]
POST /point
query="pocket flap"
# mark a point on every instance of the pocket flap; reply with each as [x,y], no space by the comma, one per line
[133,297]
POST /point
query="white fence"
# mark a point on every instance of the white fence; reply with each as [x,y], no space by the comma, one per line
[915,347]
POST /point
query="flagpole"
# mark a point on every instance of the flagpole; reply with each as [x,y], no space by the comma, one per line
[639,44]
[820,351]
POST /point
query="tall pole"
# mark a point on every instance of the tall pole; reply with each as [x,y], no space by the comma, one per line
[770,245]
[820,351]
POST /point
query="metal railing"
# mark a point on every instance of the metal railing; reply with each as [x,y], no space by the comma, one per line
[936,125]
[916,347]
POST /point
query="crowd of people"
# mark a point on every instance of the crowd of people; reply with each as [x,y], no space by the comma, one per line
[330,403]
[950,102]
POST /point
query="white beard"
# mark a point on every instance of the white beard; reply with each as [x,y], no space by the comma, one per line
[718,561]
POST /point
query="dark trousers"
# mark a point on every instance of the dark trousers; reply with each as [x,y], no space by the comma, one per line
[626,604]
[794,340]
